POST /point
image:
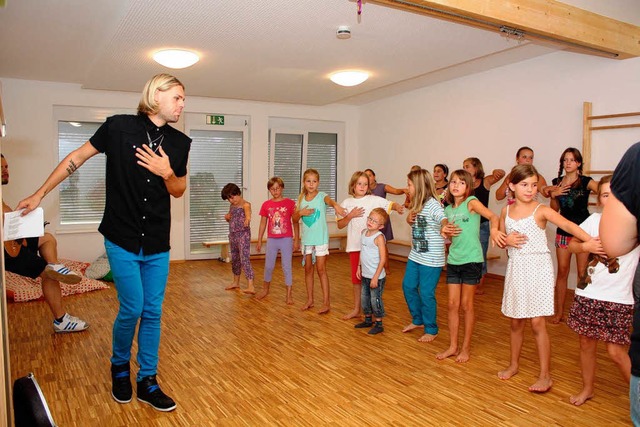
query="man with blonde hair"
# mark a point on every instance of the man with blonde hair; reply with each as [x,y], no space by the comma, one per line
[146,164]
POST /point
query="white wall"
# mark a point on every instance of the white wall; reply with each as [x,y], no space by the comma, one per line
[489,115]
[31,148]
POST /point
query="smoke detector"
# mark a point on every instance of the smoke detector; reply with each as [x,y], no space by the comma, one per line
[343,32]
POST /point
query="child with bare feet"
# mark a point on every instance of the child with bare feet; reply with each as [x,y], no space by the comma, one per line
[311,208]
[529,280]
[464,264]
[426,259]
[570,196]
[239,218]
[373,253]
[282,235]
[602,309]
[358,206]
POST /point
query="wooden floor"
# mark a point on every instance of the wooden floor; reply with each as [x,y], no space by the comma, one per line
[230,360]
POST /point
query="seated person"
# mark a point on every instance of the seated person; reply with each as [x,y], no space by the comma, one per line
[38,257]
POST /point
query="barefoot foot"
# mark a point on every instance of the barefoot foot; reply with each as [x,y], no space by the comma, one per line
[580,398]
[543,385]
[351,315]
[451,351]
[411,327]
[427,337]
[508,373]
[463,357]
[262,294]
[231,287]
[307,306]
[324,310]
[250,291]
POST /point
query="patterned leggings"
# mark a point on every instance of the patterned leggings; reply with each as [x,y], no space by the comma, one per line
[240,246]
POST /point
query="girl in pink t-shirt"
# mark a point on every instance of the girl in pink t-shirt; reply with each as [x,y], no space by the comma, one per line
[282,235]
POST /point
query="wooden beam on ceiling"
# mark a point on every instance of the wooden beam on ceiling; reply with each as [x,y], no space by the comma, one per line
[545,20]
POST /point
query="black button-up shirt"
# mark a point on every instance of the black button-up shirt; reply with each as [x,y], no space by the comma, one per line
[137,213]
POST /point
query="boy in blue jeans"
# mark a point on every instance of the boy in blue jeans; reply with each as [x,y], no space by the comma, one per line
[373,256]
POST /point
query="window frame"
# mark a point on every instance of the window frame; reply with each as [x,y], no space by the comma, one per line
[305,127]
[66,113]
[233,123]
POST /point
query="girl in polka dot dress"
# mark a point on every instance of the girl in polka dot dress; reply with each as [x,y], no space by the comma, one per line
[529,280]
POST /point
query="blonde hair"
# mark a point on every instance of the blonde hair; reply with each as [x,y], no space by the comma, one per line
[354,180]
[162,82]
[424,186]
[273,181]
[604,180]
[465,176]
[382,214]
[303,192]
[476,163]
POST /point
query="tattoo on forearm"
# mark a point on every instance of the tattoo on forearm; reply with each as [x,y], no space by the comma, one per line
[72,167]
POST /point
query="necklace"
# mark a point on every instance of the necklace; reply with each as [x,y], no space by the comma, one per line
[155,143]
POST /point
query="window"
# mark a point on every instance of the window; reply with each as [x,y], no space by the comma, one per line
[217,157]
[291,153]
[214,161]
[82,194]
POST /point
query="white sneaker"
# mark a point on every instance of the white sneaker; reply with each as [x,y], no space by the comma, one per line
[61,273]
[69,324]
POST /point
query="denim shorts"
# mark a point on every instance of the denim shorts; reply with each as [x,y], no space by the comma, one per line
[468,274]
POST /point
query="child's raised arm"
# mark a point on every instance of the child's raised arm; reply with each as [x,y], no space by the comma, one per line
[593,246]
[570,227]
[397,207]
[339,209]
[495,176]
[393,190]
[497,237]
[501,192]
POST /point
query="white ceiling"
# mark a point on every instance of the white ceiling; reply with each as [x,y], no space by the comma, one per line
[262,50]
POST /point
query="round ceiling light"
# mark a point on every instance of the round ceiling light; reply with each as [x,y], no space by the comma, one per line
[175,58]
[349,78]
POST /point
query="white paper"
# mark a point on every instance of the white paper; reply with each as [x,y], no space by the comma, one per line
[17,226]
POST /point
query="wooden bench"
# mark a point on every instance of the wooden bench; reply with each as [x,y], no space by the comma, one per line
[226,257]
[224,249]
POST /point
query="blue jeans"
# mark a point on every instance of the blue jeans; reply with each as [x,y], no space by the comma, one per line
[419,287]
[485,233]
[140,281]
[372,298]
[634,398]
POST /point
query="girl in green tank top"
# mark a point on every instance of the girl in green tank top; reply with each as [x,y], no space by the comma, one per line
[464,264]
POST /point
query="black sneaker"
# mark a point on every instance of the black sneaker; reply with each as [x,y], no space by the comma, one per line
[376,329]
[366,324]
[149,392]
[121,389]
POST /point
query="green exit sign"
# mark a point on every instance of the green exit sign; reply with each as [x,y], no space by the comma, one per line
[215,120]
